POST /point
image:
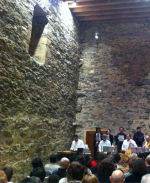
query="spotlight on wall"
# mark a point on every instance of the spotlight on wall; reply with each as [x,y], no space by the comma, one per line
[74,3]
[96,35]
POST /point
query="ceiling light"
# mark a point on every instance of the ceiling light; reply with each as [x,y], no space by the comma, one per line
[96,35]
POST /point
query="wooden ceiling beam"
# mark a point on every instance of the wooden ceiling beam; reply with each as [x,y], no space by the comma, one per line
[115,21]
[113,12]
[110,17]
[106,4]
[112,7]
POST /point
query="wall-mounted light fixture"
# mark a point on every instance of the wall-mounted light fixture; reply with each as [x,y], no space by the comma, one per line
[74,3]
[96,35]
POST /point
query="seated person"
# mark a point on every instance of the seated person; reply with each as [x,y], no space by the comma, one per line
[128,143]
[53,179]
[117,177]
[75,173]
[49,168]
[90,178]
[37,162]
[147,162]
[147,143]
[3,177]
[76,143]
[61,172]
[104,142]
[9,173]
[124,165]
[39,172]
[31,180]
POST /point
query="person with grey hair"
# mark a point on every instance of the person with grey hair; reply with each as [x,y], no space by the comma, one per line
[145,178]
[61,172]
[134,155]
[117,177]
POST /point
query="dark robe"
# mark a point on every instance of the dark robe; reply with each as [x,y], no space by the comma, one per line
[138,138]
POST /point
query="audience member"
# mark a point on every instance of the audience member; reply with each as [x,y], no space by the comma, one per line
[147,162]
[117,177]
[111,156]
[53,179]
[75,173]
[61,172]
[134,155]
[124,166]
[35,179]
[3,177]
[9,173]
[105,169]
[90,178]
[101,156]
[117,158]
[49,168]
[145,178]
[138,170]
[85,161]
[130,167]
[39,172]
[37,162]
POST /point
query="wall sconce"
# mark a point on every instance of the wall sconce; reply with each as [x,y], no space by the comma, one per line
[96,35]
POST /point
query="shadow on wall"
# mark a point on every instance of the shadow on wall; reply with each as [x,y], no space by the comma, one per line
[38,24]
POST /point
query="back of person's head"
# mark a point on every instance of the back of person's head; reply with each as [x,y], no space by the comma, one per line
[81,159]
[132,160]
[53,179]
[39,172]
[112,157]
[35,179]
[88,161]
[145,178]
[117,157]
[117,177]
[147,160]
[26,180]
[125,160]
[139,167]
[53,158]
[75,171]
[37,162]
[134,155]
[101,156]
[90,178]
[3,177]
[9,172]
[64,162]
[106,167]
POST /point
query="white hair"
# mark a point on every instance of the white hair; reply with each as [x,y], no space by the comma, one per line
[146,178]
[134,155]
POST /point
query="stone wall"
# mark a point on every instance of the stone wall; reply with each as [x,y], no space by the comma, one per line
[38,90]
[114,83]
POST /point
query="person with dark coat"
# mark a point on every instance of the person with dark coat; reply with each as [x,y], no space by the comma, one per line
[105,169]
[97,139]
[109,136]
[138,137]
[61,172]
[138,170]
[120,138]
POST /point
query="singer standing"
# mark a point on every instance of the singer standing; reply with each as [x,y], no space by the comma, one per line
[97,138]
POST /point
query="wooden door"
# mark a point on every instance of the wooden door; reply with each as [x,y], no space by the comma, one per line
[90,140]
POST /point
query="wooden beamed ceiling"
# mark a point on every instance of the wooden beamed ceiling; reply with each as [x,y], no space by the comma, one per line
[110,11]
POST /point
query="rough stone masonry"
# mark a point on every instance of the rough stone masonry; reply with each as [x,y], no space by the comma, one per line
[114,82]
[37,90]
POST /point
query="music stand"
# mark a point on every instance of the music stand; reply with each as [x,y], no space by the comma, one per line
[136,150]
[108,149]
[79,151]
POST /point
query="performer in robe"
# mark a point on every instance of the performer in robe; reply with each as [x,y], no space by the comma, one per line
[97,138]
[138,137]
[120,138]
[76,143]
[128,143]
[104,142]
